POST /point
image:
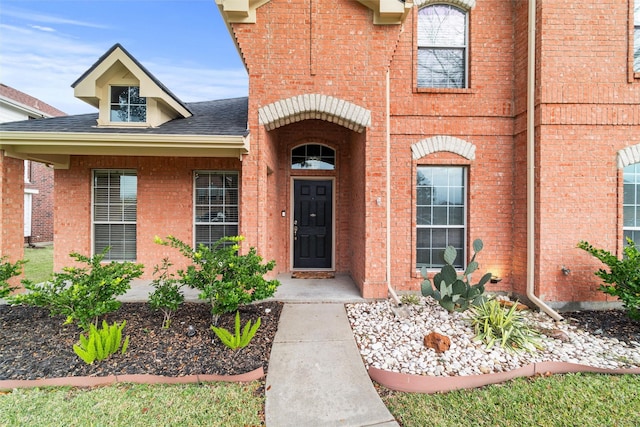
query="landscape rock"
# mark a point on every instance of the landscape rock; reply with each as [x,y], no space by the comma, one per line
[440,343]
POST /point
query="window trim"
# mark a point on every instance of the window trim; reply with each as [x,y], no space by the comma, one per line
[93,218]
[465,215]
[127,122]
[307,144]
[194,195]
[634,75]
[635,228]
[467,89]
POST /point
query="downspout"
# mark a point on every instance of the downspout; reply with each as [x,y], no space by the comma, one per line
[388,190]
[531,105]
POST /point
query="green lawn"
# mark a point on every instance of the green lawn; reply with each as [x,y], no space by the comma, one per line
[39,267]
[563,400]
[130,405]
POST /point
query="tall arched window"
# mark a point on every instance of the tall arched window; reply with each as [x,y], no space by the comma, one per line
[631,203]
[442,46]
[313,156]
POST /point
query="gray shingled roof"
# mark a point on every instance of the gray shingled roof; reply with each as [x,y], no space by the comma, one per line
[219,117]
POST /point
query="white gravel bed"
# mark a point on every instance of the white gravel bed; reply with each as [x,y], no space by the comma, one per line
[396,344]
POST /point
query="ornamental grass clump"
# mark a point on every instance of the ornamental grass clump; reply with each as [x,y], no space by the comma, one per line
[225,278]
[239,339]
[101,343]
[82,294]
[507,327]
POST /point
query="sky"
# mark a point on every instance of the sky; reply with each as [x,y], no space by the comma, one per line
[46,45]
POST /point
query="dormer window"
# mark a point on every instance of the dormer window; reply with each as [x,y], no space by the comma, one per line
[127,106]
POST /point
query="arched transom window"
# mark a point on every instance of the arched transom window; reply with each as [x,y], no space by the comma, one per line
[313,156]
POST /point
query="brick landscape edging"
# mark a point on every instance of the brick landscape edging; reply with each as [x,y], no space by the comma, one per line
[138,379]
[431,384]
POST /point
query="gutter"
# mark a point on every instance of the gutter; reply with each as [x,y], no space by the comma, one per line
[531,83]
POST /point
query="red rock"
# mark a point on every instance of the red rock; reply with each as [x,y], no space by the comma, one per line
[438,342]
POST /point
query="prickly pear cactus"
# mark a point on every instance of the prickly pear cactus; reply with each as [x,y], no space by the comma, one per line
[454,291]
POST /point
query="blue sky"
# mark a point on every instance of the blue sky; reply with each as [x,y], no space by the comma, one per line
[46,45]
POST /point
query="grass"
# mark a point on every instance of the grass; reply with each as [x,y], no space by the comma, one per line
[39,267]
[562,400]
[211,404]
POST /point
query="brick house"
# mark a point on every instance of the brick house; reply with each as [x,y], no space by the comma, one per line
[38,177]
[375,133]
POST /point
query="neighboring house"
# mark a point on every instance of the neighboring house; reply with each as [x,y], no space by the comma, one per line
[375,133]
[38,177]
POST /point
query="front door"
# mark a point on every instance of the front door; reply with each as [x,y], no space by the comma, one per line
[312,223]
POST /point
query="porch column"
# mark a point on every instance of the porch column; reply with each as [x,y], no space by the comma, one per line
[11,209]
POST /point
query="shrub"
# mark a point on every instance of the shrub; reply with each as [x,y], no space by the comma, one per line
[82,294]
[7,271]
[410,299]
[225,278]
[453,291]
[623,278]
[167,295]
[493,323]
[239,339]
[101,343]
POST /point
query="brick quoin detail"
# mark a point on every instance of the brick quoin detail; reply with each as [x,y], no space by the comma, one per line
[443,143]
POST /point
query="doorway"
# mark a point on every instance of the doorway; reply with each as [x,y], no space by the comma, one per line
[312,224]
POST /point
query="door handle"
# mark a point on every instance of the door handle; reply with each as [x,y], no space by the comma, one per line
[295,229]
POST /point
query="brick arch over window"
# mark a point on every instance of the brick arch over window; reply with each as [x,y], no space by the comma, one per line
[443,143]
[314,106]
[464,4]
[628,156]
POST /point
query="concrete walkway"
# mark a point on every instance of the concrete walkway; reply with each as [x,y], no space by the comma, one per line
[316,376]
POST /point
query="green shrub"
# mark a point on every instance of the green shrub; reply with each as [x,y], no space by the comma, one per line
[7,271]
[239,339]
[410,299]
[167,295]
[225,278]
[453,291]
[493,323]
[82,294]
[623,278]
[101,343]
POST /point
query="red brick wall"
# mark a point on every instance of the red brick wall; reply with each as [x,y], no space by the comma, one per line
[165,204]
[42,203]
[11,210]
[481,115]
[588,112]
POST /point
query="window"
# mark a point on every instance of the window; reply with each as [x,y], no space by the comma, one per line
[127,105]
[441,214]
[115,205]
[442,47]
[216,206]
[631,204]
[313,156]
[636,37]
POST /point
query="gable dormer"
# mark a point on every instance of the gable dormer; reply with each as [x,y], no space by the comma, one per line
[127,94]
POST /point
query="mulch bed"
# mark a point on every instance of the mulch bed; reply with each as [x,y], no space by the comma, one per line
[606,323]
[34,345]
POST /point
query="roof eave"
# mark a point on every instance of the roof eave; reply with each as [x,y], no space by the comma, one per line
[57,148]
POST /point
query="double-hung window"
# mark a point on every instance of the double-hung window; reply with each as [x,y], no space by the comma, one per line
[442,46]
[631,204]
[216,206]
[115,201]
[441,214]
[127,106]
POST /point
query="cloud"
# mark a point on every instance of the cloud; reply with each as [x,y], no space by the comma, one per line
[47,19]
[45,64]
[41,28]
